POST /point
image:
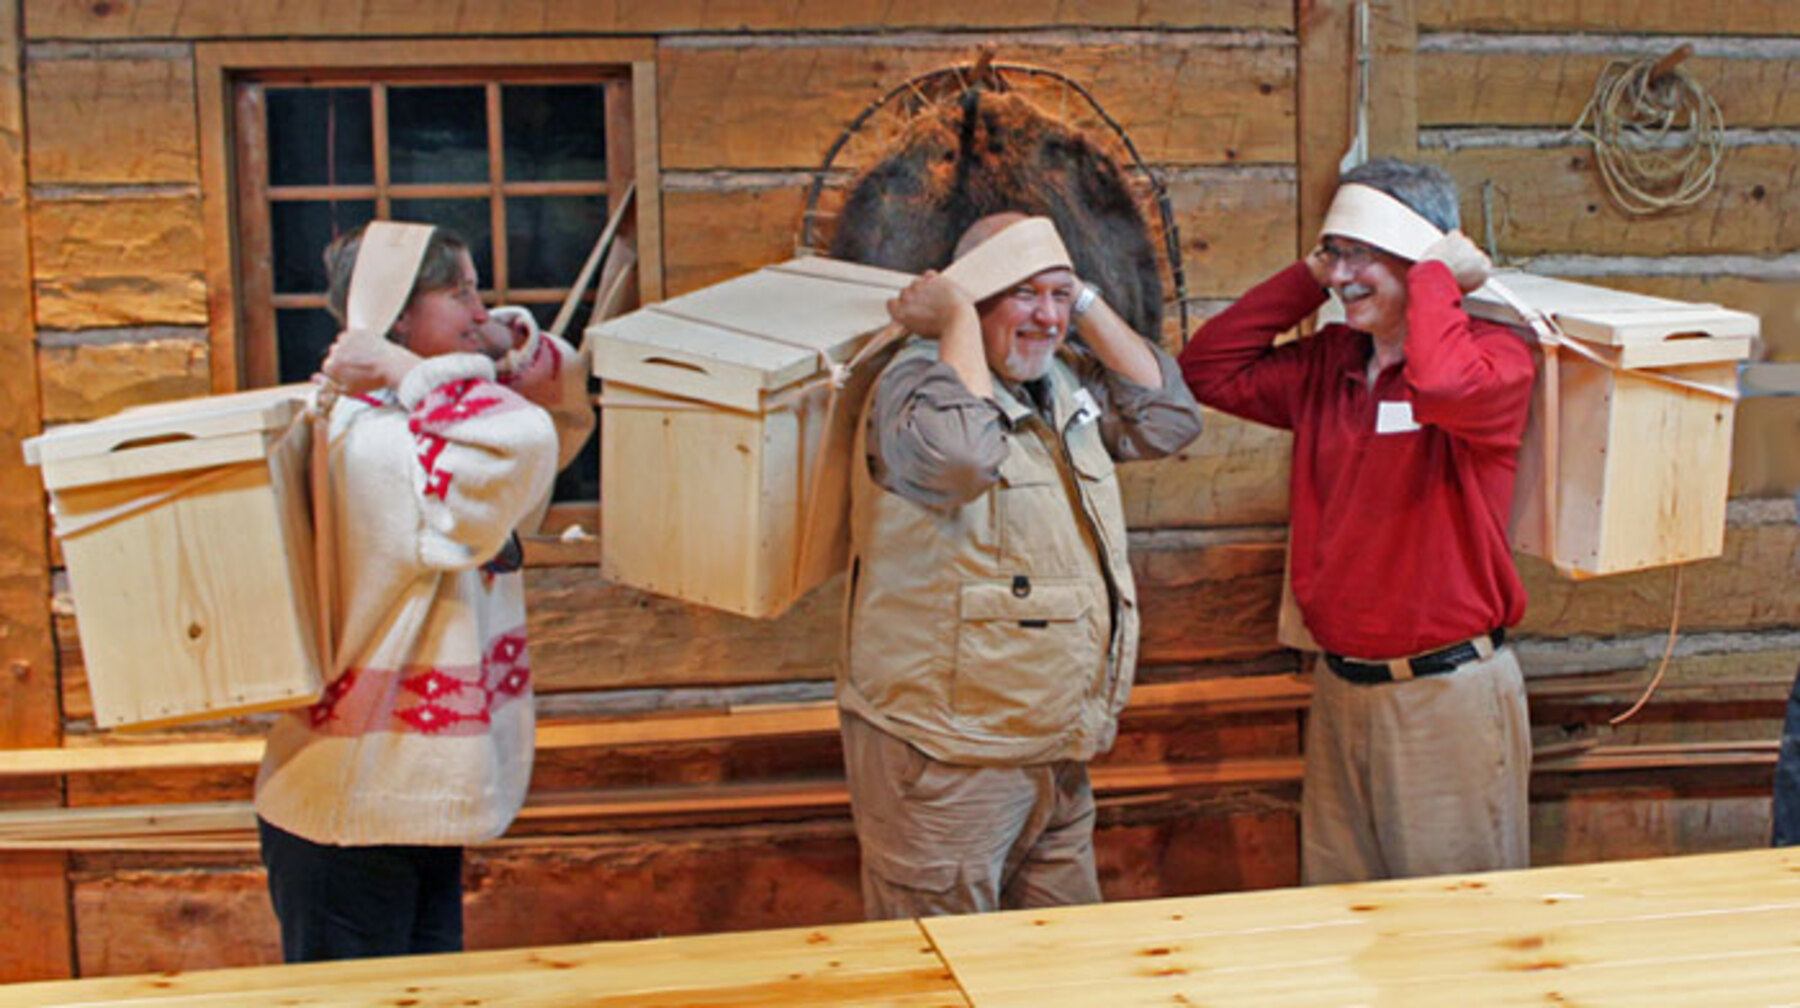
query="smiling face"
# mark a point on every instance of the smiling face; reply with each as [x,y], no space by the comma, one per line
[1022,327]
[1372,285]
[448,319]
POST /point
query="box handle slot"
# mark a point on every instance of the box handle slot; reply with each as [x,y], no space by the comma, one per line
[680,364]
[145,442]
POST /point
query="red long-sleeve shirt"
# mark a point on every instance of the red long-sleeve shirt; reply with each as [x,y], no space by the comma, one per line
[1398,539]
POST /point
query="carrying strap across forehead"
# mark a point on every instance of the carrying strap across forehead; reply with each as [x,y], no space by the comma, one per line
[1020,252]
[1374,218]
[387,265]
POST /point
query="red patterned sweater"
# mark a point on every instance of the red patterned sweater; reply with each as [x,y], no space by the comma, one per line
[425,733]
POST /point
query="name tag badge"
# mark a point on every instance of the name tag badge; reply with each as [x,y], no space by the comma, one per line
[1394,417]
[1086,408]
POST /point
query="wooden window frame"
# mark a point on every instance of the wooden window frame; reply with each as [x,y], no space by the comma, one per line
[238,358]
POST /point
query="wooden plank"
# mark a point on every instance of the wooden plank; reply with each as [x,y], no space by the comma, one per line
[646,145]
[1722,17]
[112,121]
[1551,87]
[214,109]
[125,260]
[1183,98]
[1704,929]
[1225,217]
[1552,200]
[34,908]
[869,964]
[1393,111]
[1324,126]
[174,19]
[94,380]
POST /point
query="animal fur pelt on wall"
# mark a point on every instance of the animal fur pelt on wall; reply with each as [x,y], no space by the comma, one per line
[990,152]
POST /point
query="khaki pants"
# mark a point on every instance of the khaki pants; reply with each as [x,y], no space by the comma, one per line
[1426,776]
[938,838]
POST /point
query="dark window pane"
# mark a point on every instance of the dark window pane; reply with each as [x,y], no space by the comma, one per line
[319,136]
[437,134]
[554,133]
[302,336]
[549,237]
[467,217]
[546,314]
[300,232]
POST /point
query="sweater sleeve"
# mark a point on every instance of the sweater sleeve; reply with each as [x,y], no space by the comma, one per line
[1232,363]
[484,457]
[1470,379]
[555,378]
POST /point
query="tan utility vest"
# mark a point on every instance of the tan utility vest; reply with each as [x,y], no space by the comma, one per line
[1003,632]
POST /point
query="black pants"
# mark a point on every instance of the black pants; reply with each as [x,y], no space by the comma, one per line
[1787,774]
[356,902]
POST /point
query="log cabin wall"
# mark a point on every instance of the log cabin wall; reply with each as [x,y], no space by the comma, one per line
[1239,104]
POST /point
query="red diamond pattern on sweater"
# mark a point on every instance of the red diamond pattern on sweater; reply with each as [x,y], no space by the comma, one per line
[432,684]
[450,403]
[430,718]
[326,707]
[506,666]
[430,700]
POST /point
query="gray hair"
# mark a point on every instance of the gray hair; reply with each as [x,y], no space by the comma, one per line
[1427,189]
[440,268]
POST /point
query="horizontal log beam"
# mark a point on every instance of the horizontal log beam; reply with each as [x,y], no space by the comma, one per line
[1185,98]
[717,226]
[126,121]
[149,19]
[118,260]
[1553,201]
[1706,17]
[1544,81]
[1201,697]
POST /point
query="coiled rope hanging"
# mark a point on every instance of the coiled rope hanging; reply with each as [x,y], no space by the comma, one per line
[1657,134]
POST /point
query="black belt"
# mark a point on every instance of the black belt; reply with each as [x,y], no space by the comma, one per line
[1433,663]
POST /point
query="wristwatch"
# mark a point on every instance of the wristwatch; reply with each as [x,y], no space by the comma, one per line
[1083,301]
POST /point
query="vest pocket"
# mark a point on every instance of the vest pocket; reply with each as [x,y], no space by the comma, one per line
[1088,453]
[1026,651]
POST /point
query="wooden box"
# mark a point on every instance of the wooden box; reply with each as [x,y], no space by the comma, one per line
[717,410]
[1644,438]
[186,530]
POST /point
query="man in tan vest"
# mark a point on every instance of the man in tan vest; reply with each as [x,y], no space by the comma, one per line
[992,618]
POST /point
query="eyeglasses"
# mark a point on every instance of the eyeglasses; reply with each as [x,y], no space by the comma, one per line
[1353,256]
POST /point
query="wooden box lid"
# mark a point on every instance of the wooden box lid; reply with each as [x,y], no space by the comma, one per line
[736,341]
[163,428]
[1644,331]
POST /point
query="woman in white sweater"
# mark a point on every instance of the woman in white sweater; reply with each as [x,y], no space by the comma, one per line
[423,740]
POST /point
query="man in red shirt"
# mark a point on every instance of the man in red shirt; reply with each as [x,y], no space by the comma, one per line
[1407,420]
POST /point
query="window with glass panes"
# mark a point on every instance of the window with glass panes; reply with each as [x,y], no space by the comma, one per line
[523,168]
